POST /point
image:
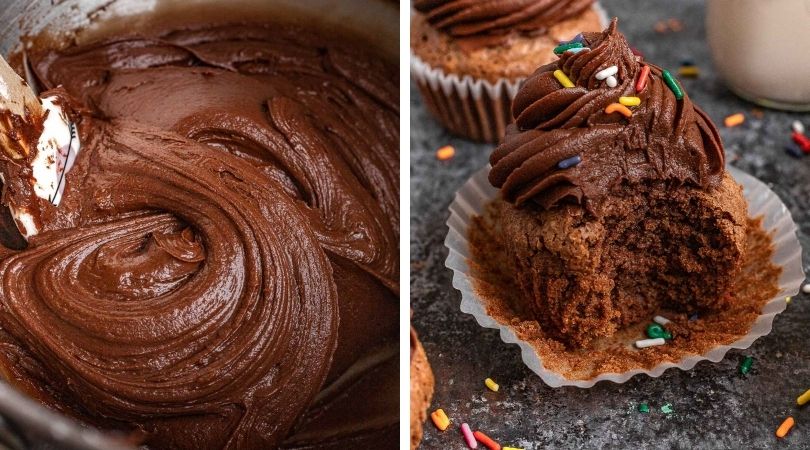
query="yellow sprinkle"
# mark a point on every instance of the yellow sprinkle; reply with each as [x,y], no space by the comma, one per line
[440,419]
[804,398]
[492,385]
[563,79]
[787,299]
[630,101]
[445,153]
[688,71]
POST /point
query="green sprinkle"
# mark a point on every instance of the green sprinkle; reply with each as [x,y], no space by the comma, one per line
[667,335]
[644,408]
[672,84]
[745,366]
[667,408]
[560,49]
[655,331]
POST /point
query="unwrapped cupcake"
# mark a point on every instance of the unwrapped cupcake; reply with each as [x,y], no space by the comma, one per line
[469,56]
[618,240]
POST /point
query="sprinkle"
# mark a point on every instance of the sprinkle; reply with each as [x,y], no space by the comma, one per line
[644,343]
[560,49]
[802,141]
[787,300]
[734,120]
[672,84]
[785,427]
[611,82]
[468,436]
[563,79]
[630,101]
[797,127]
[484,439]
[577,50]
[641,83]
[577,38]
[440,419]
[636,52]
[806,288]
[804,398]
[445,153]
[511,448]
[758,113]
[689,71]
[745,366]
[693,317]
[675,24]
[667,408]
[661,27]
[660,320]
[655,331]
[569,162]
[492,385]
[687,62]
[604,73]
[618,107]
[643,408]
[793,150]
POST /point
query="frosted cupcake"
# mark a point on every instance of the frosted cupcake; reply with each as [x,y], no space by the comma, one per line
[469,56]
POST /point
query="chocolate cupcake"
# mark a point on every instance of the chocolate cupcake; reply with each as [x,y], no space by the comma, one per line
[469,57]
[614,197]
[421,389]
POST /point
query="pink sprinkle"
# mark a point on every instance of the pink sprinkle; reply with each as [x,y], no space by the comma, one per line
[468,436]
[636,52]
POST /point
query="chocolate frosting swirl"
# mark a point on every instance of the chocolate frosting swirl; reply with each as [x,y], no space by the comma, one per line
[483,23]
[664,139]
[222,271]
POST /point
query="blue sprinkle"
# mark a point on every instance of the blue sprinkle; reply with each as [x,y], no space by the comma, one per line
[693,317]
[687,63]
[577,50]
[577,38]
[793,150]
[569,162]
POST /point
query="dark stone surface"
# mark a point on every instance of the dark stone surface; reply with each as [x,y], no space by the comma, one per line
[714,406]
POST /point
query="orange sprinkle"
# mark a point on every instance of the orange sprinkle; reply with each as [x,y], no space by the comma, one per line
[675,24]
[734,120]
[785,427]
[486,440]
[661,27]
[440,419]
[445,153]
[618,107]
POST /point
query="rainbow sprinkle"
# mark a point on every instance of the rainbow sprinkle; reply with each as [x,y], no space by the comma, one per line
[630,101]
[468,436]
[491,384]
[563,79]
[618,107]
[567,163]
[672,84]
[560,49]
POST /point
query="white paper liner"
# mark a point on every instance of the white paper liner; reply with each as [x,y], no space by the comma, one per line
[470,107]
[476,193]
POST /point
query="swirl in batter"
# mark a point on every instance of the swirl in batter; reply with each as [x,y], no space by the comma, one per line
[222,271]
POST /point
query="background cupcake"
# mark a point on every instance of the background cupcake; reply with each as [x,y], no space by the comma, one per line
[470,56]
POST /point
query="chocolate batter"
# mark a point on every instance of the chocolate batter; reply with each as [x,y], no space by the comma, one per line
[222,270]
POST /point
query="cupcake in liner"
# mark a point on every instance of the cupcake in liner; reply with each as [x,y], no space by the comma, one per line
[615,209]
[468,82]
[470,202]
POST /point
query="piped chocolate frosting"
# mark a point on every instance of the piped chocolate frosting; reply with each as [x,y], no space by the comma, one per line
[565,147]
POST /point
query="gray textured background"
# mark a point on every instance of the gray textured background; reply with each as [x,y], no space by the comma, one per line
[714,406]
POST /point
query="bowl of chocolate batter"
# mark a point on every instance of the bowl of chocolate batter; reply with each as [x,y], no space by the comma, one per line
[222,269]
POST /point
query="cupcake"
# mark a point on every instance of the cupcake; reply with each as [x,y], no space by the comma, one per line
[421,389]
[468,57]
[614,200]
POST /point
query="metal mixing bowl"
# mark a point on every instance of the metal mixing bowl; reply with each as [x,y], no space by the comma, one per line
[25,423]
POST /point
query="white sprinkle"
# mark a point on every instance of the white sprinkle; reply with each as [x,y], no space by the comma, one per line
[799,128]
[660,320]
[4,90]
[644,343]
[611,82]
[806,288]
[604,73]
[578,49]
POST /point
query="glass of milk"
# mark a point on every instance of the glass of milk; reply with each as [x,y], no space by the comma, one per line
[761,48]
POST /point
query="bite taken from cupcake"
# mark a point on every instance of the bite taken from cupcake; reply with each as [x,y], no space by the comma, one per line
[614,211]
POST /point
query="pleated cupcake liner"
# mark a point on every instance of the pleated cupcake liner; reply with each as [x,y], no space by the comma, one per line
[470,107]
[476,193]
